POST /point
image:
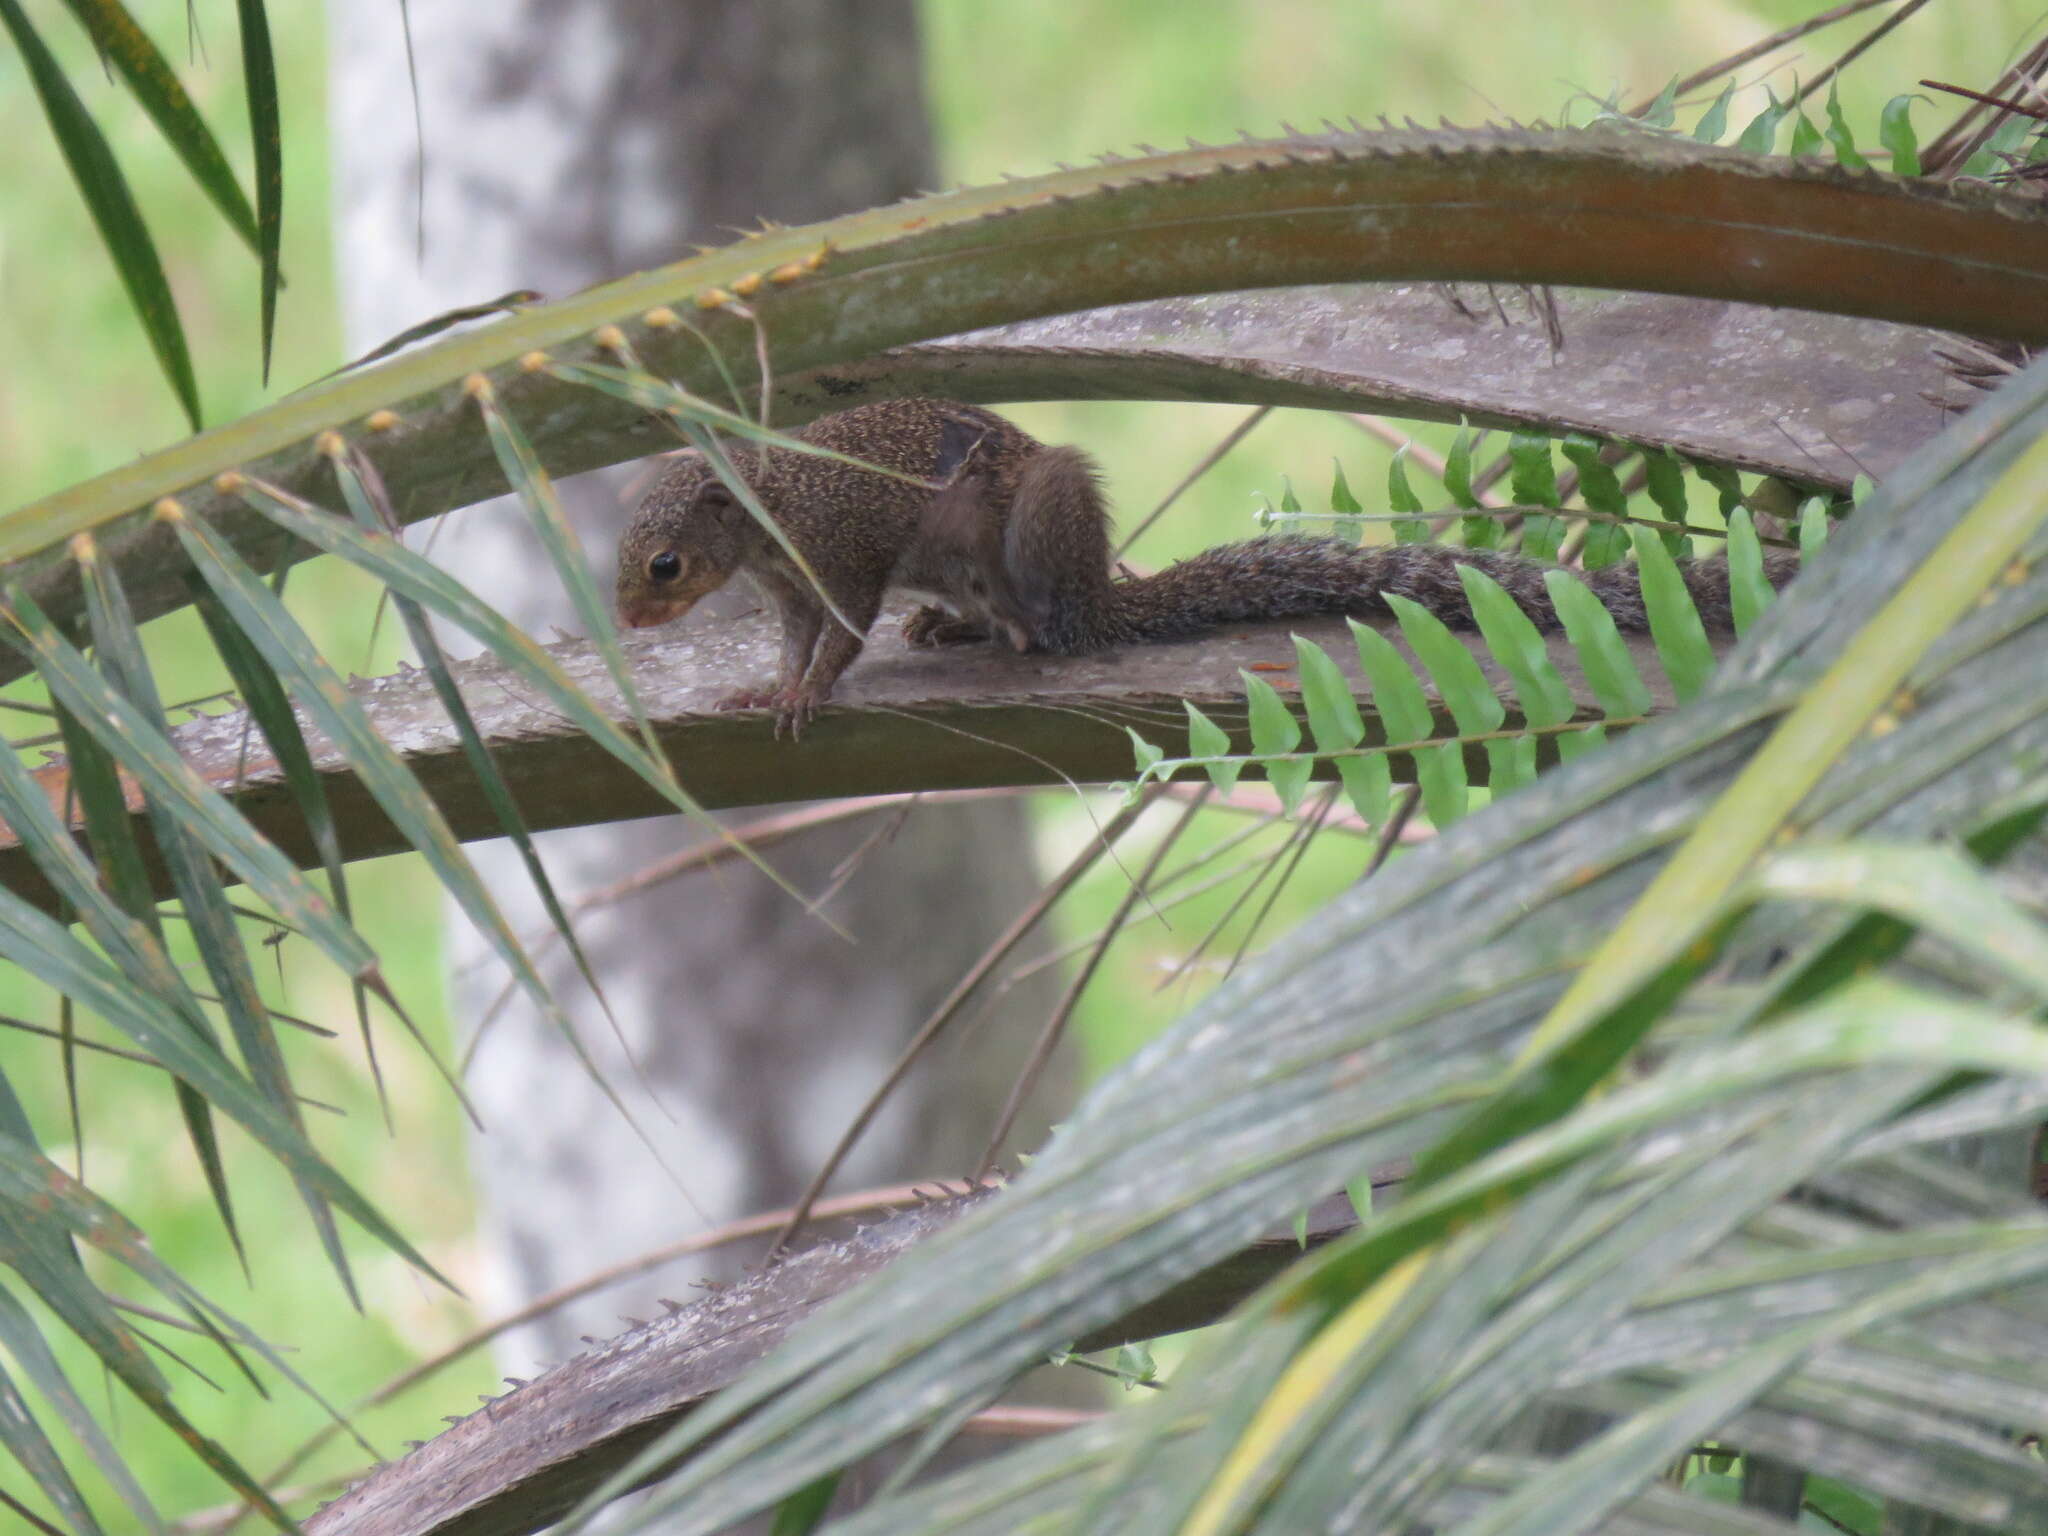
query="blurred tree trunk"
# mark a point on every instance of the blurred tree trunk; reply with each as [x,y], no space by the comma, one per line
[569,141]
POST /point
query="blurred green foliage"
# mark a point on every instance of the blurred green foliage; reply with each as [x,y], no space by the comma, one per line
[1013,87]
[90,399]
[1077,79]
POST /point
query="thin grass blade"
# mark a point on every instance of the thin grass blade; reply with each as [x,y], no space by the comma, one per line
[1936,890]
[264,699]
[48,952]
[25,1344]
[340,716]
[259,78]
[364,492]
[1671,926]
[536,491]
[24,1439]
[162,773]
[508,302]
[120,38]
[1555,1279]
[110,832]
[403,571]
[1870,1021]
[649,390]
[119,647]
[84,1310]
[1585,1487]
[112,207]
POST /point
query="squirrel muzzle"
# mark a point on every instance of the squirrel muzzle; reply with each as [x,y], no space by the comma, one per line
[646,612]
[666,585]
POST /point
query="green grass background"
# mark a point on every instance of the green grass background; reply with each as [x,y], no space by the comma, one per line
[1013,88]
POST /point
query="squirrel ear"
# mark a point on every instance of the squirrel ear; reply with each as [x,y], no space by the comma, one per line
[960,437]
[717,501]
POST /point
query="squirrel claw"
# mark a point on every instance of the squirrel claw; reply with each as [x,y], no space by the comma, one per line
[796,709]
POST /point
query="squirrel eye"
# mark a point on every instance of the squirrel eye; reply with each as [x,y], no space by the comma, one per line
[665,566]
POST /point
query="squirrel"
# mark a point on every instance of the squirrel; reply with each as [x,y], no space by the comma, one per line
[1012,535]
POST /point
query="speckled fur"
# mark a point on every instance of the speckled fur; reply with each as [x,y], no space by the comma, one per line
[858,530]
[962,547]
[1016,537]
[1284,577]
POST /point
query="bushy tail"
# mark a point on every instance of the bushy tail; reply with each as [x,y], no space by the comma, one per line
[1281,577]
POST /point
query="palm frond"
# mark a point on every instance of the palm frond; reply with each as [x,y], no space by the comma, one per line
[1389,1017]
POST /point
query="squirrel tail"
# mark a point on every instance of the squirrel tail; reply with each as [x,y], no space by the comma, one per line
[1057,552]
[1280,577]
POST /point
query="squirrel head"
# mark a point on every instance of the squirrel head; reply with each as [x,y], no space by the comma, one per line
[685,542]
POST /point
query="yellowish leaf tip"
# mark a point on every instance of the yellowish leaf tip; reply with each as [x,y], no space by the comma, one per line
[381,421]
[747,286]
[713,298]
[661,318]
[168,509]
[788,272]
[83,549]
[610,337]
[330,444]
[477,387]
[229,481]
[533,362]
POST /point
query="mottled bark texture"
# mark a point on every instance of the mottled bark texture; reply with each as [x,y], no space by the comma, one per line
[570,141]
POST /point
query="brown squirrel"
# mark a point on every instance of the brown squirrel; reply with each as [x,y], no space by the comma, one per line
[1015,541]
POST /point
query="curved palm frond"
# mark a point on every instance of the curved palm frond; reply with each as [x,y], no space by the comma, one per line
[567,386]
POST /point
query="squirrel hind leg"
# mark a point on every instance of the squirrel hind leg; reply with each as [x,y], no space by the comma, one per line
[932,626]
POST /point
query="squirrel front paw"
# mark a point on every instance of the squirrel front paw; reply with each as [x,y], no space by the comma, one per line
[794,708]
[797,708]
[936,627]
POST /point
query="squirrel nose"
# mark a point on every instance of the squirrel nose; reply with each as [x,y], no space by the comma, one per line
[645,613]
